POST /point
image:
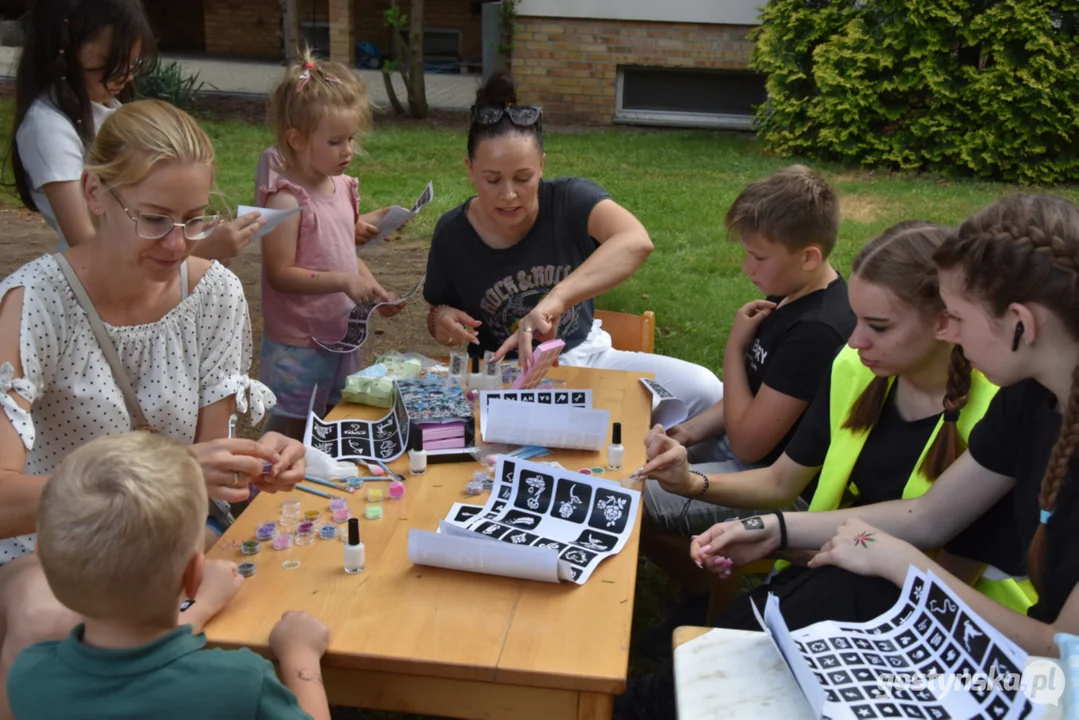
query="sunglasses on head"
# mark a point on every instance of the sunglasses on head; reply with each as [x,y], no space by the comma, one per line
[520,115]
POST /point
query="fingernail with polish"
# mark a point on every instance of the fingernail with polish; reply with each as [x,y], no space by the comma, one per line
[705,549]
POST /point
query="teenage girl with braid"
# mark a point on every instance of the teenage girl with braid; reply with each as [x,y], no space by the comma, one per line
[895,412]
[1010,282]
[79,59]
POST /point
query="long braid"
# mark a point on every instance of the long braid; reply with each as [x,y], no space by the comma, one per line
[949,443]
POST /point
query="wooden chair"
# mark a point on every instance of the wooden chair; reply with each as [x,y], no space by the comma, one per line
[635,333]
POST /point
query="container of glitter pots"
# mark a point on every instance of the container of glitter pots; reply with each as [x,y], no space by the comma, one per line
[338,503]
[327,532]
[312,516]
[342,515]
[266,531]
[284,538]
[305,533]
[251,547]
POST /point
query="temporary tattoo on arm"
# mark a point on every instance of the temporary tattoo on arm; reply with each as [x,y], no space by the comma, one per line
[864,538]
[753,523]
[309,677]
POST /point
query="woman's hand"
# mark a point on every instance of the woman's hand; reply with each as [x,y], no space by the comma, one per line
[667,464]
[746,320]
[290,466]
[862,549]
[540,325]
[731,544]
[229,238]
[450,326]
[229,465]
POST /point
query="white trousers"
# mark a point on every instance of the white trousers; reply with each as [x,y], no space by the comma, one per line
[696,386]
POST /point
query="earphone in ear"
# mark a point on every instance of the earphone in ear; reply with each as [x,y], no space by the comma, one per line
[1019,330]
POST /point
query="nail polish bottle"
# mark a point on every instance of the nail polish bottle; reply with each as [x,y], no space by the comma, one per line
[354,549]
[417,458]
[475,379]
[615,451]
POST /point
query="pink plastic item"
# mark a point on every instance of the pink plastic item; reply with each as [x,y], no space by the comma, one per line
[543,358]
[397,490]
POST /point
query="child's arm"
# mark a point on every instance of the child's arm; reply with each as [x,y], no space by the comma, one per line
[220,582]
[299,641]
[756,424]
[279,261]
[69,207]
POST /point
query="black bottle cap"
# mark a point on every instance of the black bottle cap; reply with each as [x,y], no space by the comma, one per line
[616,434]
[475,364]
[353,531]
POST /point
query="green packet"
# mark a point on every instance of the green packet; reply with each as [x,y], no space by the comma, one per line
[374,385]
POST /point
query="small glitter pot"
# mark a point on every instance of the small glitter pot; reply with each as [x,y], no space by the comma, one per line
[305,533]
[312,516]
[283,539]
[251,547]
[374,495]
[247,569]
[338,503]
[355,483]
[327,532]
[373,512]
[266,531]
[397,490]
[342,515]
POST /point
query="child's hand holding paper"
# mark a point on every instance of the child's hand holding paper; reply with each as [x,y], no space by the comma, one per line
[271,217]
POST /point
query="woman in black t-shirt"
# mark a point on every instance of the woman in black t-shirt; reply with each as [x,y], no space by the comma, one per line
[1010,282]
[523,259]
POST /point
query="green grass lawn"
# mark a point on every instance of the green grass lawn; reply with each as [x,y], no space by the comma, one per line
[679,183]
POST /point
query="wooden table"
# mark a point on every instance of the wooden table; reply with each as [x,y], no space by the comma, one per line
[425,640]
[739,675]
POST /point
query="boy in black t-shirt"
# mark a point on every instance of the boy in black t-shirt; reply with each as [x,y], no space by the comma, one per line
[779,349]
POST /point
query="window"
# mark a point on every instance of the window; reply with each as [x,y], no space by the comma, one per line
[689,97]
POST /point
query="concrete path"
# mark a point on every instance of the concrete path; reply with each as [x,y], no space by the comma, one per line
[253,77]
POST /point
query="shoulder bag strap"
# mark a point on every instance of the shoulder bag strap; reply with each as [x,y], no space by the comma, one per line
[119,376]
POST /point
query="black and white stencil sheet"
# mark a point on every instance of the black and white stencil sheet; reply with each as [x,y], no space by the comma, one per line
[930,656]
[667,409]
[383,439]
[547,425]
[356,334]
[555,398]
[398,216]
[581,518]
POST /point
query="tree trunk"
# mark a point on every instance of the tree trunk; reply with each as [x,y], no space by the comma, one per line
[417,89]
[290,30]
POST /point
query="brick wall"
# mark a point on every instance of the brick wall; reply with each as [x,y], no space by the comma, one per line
[246,28]
[250,27]
[570,66]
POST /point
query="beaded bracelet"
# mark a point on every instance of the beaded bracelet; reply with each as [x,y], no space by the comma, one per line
[435,309]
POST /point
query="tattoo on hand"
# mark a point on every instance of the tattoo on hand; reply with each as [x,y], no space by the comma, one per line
[753,523]
[864,538]
[309,677]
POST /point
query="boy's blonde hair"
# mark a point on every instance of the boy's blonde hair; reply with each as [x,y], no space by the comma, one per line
[794,207]
[142,134]
[310,91]
[118,522]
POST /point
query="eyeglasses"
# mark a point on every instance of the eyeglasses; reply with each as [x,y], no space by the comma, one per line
[519,115]
[152,226]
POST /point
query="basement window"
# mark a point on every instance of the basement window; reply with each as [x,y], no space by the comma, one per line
[688,97]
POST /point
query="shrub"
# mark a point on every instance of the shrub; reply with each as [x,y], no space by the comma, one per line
[169,82]
[975,87]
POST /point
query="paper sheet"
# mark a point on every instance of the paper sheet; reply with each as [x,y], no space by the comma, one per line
[273,217]
[458,549]
[383,439]
[398,216]
[929,656]
[356,334]
[557,398]
[517,423]
[667,410]
[583,518]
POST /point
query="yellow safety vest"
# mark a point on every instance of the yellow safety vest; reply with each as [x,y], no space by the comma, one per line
[849,379]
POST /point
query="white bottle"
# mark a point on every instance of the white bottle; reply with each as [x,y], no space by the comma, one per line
[475,378]
[615,451]
[354,550]
[417,458]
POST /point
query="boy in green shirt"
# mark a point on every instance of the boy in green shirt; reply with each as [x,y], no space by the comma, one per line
[120,537]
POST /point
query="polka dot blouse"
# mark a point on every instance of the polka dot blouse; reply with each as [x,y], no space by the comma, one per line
[197,354]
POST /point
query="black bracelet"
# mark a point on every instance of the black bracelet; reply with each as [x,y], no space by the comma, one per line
[704,489]
[782,529]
